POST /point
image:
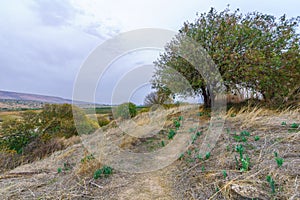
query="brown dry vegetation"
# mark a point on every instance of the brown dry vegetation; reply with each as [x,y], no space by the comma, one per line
[186,178]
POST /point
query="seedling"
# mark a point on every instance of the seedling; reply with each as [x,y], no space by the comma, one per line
[59,170]
[271,183]
[278,160]
[245,162]
[87,158]
[256,138]
[162,143]
[202,168]
[105,170]
[294,125]
[199,156]
[228,148]
[283,123]
[194,138]
[176,124]
[180,118]
[224,173]
[171,135]
[207,155]
[181,156]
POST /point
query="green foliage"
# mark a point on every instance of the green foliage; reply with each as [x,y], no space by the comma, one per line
[256,138]
[37,128]
[172,133]
[125,111]
[104,171]
[87,158]
[207,155]
[294,125]
[283,123]
[224,173]
[278,160]
[254,51]
[176,124]
[242,137]
[243,163]
[271,182]
[16,134]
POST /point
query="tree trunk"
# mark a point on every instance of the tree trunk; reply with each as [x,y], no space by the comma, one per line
[206,97]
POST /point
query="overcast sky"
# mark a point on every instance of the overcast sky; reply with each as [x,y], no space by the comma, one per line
[44,43]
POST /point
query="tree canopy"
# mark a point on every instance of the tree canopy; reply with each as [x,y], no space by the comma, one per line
[253,52]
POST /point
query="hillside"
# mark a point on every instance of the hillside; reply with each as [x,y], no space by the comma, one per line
[257,156]
[6,95]
[16,101]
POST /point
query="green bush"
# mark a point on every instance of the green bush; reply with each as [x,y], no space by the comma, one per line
[125,111]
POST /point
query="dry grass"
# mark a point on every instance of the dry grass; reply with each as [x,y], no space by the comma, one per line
[266,124]
[184,179]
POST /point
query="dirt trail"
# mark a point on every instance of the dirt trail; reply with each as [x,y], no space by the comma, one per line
[40,180]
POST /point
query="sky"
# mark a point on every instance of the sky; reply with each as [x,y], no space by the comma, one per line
[43,43]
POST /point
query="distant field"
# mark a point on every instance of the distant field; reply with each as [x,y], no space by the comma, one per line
[107,109]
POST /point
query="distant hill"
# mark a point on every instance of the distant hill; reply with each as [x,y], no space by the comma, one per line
[6,95]
[20,101]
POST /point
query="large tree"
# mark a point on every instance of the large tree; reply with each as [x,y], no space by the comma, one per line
[253,52]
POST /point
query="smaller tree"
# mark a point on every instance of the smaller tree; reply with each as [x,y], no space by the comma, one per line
[125,111]
[157,97]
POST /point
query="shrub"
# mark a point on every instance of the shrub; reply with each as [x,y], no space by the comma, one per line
[125,111]
[104,171]
[102,121]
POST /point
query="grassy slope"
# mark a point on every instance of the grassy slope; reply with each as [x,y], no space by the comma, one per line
[188,178]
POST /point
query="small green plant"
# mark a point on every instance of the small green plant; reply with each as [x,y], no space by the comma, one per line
[271,183]
[104,171]
[162,143]
[207,155]
[194,138]
[242,137]
[181,156]
[243,163]
[278,160]
[199,156]
[256,138]
[294,125]
[180,118]
[87,158]
[171,135]
[202,168]
[59,170]
[224,173]
[283,123]
[189,152]
[176,124]
[227,148]
[233,115]
[199,133]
